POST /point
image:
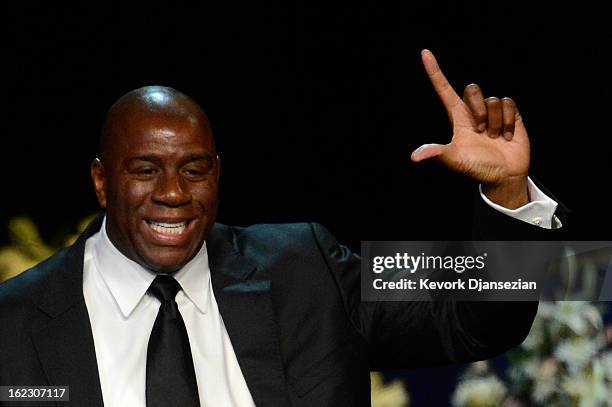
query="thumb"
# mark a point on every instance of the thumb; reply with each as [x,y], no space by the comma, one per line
[427,151]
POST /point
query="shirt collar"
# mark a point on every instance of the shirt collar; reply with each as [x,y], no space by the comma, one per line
[128,281]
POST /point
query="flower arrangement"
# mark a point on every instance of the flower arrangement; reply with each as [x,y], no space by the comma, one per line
[565,360]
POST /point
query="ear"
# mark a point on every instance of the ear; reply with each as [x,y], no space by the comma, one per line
[218,167]
[98,177]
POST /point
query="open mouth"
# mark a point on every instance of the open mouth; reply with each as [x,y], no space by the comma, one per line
[170,232]
[166,228]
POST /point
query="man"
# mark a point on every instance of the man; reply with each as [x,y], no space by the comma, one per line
[155,304]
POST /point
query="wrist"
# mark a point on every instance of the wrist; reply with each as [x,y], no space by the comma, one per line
[511,193]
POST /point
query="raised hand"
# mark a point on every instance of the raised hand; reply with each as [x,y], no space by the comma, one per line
[489,143]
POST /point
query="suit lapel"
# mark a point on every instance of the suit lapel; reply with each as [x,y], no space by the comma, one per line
[66,351]
[246,308]
[62,336]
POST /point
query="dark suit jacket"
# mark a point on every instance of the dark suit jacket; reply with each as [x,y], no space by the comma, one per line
[290,298]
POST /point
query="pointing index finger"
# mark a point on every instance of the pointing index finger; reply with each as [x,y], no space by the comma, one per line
[445,91]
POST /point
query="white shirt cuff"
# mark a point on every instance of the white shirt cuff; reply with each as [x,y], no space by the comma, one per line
[540,211]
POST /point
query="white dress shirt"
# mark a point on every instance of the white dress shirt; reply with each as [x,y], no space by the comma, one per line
[122,315]
[540,210]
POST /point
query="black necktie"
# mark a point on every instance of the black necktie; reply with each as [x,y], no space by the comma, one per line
[171,379]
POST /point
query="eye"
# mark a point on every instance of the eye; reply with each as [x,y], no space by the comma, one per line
[194,173]
[145,172]
[197,171]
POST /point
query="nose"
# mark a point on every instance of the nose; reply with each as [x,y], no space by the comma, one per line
[171,191]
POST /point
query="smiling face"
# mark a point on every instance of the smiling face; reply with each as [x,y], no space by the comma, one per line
[158,180]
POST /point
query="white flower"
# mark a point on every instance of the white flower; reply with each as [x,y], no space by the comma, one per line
[479,392]
[543,375]
[606,363]
[546,309]
[544,389]
[589,389]
[576,353]
[580,316]
[531,367]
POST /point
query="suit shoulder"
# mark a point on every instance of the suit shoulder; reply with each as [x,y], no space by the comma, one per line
[279,234]
[275,229]
[284,239]
[26,286]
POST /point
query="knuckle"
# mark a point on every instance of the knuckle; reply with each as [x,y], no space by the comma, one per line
[481,116]
[492,101]
[508,102]
[472,89]
[444,85]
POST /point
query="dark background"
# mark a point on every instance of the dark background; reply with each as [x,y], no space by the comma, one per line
[316,107]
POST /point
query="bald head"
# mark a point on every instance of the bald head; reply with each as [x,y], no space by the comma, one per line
[159,103]
[157,178]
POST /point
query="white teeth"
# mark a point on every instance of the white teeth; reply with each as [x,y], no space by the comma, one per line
[168,228]
[169,225]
